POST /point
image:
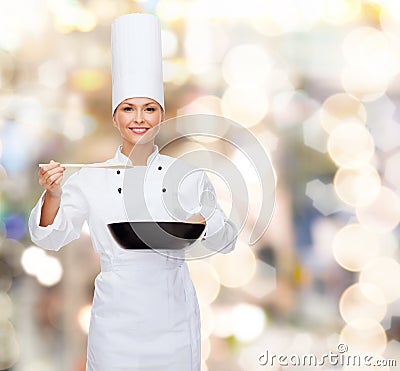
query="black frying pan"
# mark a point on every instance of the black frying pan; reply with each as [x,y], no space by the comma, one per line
[155,235]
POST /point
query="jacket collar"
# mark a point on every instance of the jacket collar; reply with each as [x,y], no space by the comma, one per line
[120,158]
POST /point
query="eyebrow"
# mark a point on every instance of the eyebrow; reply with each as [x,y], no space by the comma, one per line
[144,105]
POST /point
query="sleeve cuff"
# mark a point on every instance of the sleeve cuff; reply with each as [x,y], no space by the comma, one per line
[214,223]
[38,232]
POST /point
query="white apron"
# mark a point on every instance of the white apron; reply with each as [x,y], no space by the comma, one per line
[145,314]
[156,325]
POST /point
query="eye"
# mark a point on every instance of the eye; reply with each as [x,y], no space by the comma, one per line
[150,109]
[127,108]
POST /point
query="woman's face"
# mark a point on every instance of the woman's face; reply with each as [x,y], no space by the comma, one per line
[138,119]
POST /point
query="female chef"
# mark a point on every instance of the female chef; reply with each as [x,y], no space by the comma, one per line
[145,314]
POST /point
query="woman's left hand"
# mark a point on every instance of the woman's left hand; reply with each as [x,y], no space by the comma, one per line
[196,218]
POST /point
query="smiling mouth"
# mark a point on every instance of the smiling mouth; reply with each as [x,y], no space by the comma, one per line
[139,130]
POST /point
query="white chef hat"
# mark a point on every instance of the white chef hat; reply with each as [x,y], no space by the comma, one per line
[136,58]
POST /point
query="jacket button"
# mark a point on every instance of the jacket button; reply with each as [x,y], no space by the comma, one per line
[118,171]
[119,190]
[160,168]
[164,189]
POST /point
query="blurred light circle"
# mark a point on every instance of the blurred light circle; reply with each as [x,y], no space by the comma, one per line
[51,271]
[205,279]
[247,63]
[89,80]
[341,108]
[384,273]
[366,83]
[6,307]
[245,104]
[204,366]
[364,335]
[10,350]
[62,27]
[355,305]
[20,21]
[200,45]
[5,275]
[236,268]
[288,107]
[268,139]
[171,10]
[350,145]
[248,322]
[31,259]
[2,235]
[175,71]
[223,322]
[385,129]
[263,282]
[210,104]
[15,226]
[279,17]
[86,21]
[341,11]
[205,349]
[324,197]
[47,269]
[73,16]
[392,170]
[390,17]
[208,80]
[383,214]
[302,342]
[12,250]
[233,9]
[3,173]
[354,247]
[52,73]
[40,365]
[30,118]
[16,158]
[270,27]
[7,68]
[84,318]
[313,134]
[388,244]
[357,187]
[169,43]
[207,321]
[369,47]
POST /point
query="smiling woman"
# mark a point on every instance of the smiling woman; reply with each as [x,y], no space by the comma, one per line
[138,120]
[145,314]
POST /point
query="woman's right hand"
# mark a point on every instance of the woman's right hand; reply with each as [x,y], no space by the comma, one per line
[50,178]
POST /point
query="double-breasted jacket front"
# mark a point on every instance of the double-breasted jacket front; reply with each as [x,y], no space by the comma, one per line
[145,313]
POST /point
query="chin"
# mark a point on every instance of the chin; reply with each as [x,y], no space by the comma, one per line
[142,140]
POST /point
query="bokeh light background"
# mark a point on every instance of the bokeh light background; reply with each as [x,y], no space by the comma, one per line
[317,81]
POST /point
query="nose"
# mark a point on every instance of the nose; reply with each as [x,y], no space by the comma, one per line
[139,117]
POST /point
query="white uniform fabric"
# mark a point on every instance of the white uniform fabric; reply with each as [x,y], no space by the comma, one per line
[136,58]
[145,314]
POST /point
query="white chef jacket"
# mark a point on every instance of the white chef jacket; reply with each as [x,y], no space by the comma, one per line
[145,314]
